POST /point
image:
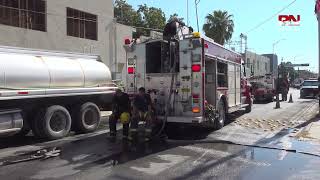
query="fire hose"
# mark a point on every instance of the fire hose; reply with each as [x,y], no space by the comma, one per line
[167,102]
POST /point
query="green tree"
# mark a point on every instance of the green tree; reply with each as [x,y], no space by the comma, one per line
[144,17]
[153,18]
[219,26]
[175,16]
[125,14]
[286,68]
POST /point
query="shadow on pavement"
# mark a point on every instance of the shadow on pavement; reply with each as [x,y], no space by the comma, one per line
[95,151]
[17,141]
[30,139]
[262,102]
[194,132]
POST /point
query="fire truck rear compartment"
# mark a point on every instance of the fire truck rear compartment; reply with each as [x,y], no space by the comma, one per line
[158,57]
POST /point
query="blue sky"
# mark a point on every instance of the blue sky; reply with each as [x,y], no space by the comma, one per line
[300,42]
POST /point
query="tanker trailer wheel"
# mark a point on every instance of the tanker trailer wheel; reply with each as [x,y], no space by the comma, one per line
[53,122]
[86,118]
[219,122]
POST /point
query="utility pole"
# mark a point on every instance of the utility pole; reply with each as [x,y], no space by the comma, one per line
[196,3]
[188,13]
[317,11]
[245,38]
[278,84]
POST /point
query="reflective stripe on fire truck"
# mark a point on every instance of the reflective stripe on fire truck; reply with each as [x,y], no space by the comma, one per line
[131,70]
[196,87]
[197,80]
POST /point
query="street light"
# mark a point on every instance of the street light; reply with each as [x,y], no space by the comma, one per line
[294,58]
[275,43]
[196,2]
[294,61]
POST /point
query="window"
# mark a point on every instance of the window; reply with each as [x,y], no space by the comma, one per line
[310,83]
[81,24]
[266,66]
[158,58]
[222,74]
[28,14]
[248,62]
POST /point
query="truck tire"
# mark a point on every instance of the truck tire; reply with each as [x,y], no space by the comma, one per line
[219,122]
[52,123]
[86,118]
[35,125]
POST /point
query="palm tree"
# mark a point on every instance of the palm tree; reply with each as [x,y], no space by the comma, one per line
[219,26]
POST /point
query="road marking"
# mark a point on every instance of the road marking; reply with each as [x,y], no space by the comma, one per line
[156,167]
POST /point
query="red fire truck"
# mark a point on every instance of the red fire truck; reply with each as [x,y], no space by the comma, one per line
[191,79]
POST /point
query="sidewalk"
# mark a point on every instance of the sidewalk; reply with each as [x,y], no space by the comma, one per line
[311,132]
[314,131]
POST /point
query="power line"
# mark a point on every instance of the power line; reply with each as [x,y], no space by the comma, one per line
[265,21]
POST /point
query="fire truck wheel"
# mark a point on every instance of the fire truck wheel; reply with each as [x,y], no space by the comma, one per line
[219,122]
[172,130]
[86,118]
[53,122]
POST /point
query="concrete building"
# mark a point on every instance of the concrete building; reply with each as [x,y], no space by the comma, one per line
[258,65]
[65,25]
[273,63]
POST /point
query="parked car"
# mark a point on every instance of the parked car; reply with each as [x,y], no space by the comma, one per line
[261,92]
[309,88]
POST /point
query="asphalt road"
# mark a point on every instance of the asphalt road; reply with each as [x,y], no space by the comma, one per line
[258,145]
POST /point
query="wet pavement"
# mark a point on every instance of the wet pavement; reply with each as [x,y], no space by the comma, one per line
[170,160]
[234,152]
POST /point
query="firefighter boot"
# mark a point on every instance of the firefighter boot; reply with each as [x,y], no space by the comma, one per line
[113,128]
[133,139]
[125,131]
[147,134]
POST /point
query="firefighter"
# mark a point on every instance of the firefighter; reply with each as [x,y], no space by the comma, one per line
[142,111]
[120,110]
[285,89]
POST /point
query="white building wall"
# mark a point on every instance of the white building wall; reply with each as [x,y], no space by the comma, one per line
[259,64]
[56,36]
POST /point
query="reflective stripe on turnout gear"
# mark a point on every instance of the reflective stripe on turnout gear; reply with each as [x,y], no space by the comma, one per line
[133,130]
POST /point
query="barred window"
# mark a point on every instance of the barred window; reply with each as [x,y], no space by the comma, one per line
[28,14]
[81,24]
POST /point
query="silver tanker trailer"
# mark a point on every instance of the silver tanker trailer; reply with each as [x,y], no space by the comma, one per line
[51,93]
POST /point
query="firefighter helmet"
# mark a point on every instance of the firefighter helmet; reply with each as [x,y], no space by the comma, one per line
[124,117]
